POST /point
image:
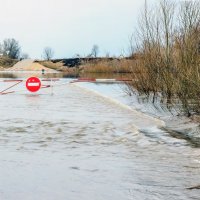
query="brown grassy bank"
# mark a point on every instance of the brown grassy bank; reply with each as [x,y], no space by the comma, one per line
[6,62]
[108,66]
[98,68]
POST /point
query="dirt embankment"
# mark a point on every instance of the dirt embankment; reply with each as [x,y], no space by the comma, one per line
[60,66]
[29,65]
[6,62]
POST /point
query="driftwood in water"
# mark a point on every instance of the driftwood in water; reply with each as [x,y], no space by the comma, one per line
[194,187]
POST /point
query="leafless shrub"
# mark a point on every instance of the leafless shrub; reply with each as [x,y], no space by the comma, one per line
[48,53]
[94,51]
[24,56]
[169,48]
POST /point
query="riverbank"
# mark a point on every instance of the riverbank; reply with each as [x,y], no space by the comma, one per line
[178,126]
[170,54]
[92,66]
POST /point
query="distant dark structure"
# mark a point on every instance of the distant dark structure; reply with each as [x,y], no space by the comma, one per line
[74,62]
[70,62]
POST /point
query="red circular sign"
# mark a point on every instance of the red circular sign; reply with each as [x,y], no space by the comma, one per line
[33,84]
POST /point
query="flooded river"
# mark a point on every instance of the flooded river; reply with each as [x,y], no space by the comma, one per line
[77,143]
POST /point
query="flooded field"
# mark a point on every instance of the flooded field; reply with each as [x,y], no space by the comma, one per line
[79,141]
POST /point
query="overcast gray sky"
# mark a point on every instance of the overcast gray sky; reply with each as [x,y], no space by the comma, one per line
[69,26]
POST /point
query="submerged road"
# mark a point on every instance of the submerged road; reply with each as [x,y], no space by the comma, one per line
[77,145]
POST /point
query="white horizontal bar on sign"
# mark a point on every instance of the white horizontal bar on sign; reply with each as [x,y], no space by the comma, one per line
[33,84]
[105,80]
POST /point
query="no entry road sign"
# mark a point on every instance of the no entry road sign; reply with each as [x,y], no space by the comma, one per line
[33,84]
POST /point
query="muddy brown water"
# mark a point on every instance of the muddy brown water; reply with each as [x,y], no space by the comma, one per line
[76,144]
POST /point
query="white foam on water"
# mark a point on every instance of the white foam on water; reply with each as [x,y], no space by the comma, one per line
[144,119]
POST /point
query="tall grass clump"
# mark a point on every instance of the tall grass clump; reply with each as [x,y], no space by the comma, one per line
[121,65]
[168,41]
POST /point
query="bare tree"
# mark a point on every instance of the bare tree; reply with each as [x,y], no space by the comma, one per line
[11,48]
[24,56]
[95,50]
[107,55]
[48,53]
